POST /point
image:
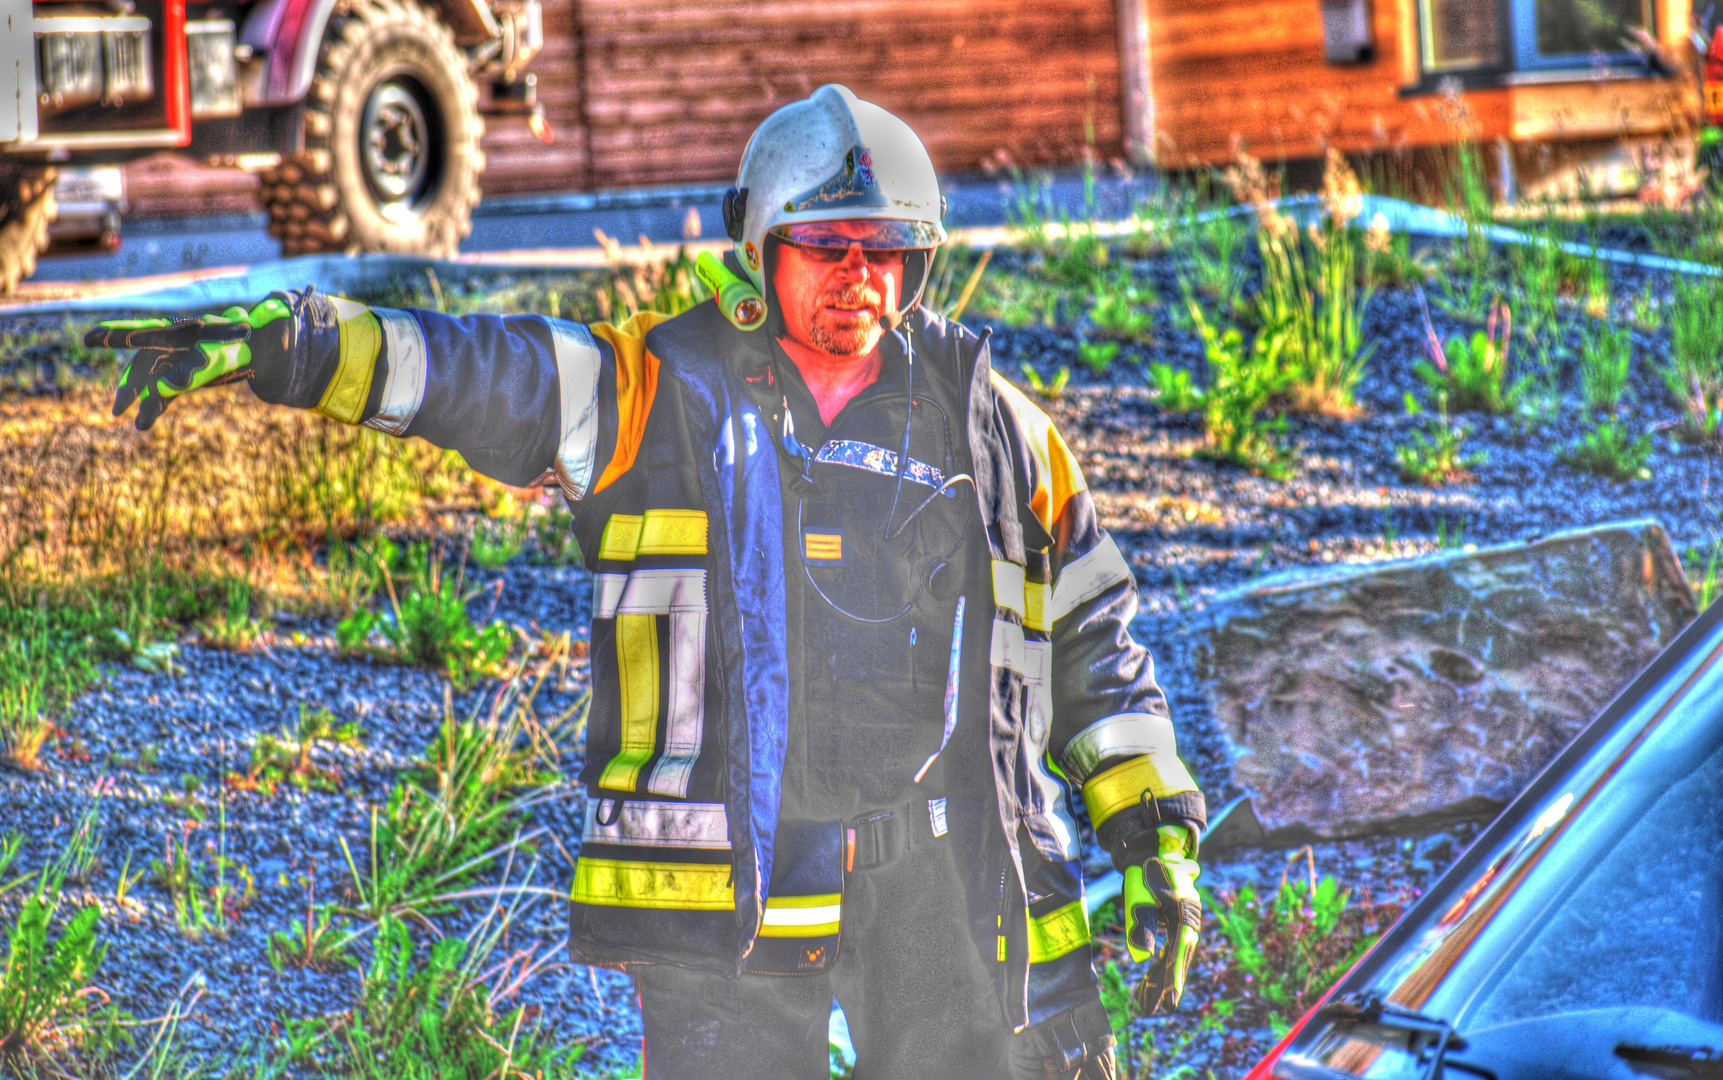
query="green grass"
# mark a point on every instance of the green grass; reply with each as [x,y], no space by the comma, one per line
[1471,375]
[427,622]
[1175,390]
[1694,373]
[287,757]
[1434,456]
[1242,381]
[462,810]
[44,1007]
[1605,365]
[1609,451]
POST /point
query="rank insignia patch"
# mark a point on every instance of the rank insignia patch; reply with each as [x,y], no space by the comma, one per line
[822,548]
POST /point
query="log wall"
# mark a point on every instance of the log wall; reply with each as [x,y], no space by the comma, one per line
[1252,73]
[667,91]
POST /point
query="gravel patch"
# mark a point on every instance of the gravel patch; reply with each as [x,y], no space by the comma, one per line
[1191,528]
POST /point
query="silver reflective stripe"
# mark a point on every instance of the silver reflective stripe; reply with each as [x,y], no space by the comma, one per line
[663,592]
[1099,569]
[610,588]
[1026,658]
[685,712]
[680,594]
[404,386]
[578,361]
[658,591]
[1123,735]
[1008,585]
[647,823]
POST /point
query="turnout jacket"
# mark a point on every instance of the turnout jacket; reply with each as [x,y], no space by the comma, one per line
[660,435]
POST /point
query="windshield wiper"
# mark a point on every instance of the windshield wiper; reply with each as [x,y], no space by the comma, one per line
[1698,1060]
[1425,1034]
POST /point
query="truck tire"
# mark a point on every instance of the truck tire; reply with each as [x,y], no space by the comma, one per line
[27,196]
[391,134]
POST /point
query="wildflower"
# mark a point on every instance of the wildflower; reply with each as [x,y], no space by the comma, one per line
[1342,196]
[1377,237]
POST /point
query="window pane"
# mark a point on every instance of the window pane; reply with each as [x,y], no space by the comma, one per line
[1569,27]
[1461,33]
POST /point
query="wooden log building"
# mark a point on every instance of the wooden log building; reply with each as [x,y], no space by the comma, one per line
[645,92]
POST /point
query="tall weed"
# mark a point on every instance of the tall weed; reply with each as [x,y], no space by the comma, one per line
[1695,370]
[47,1002]
[1240,385]
[1471,376]
[1310,298]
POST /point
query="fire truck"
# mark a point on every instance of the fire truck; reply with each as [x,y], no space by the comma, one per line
[361,116]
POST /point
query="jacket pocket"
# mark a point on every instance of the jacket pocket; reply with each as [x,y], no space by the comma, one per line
[799,932]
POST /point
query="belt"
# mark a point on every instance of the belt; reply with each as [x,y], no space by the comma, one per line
[877,838]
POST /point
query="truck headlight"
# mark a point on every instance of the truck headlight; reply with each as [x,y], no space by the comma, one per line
[214,69]
[83,59]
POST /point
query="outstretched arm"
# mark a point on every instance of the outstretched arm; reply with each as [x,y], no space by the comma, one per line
[522,398]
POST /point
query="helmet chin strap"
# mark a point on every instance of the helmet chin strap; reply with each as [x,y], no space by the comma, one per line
[893,317]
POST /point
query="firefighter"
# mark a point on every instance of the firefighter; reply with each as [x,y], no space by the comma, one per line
[858,639]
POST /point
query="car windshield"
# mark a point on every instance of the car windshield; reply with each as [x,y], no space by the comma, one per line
[1598,915]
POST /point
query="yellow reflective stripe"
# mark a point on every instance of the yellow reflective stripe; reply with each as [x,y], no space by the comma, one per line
[684,886]
[621,537]
[1035,606]
[1001,948]
[637,669]
[1052,936]
[674,532]
[1008,585]
[361,339]
[658,532]
[801,916]
[1159,774]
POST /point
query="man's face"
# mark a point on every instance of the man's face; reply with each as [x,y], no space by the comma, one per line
[837,306]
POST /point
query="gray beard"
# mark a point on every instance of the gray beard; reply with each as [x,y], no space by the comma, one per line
[852,338]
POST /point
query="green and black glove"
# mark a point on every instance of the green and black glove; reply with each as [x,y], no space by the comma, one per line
[286,347]
[1163,916]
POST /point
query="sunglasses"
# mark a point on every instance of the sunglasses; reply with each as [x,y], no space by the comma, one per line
[881,241]
[820,253]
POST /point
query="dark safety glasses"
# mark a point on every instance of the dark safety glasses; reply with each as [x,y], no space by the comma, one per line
[881,241]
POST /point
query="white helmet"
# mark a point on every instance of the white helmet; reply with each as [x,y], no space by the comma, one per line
[834,157]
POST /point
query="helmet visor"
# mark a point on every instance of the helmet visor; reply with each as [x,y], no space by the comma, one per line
[873,234]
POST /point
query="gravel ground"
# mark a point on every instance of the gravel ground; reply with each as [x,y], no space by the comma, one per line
[1193,529]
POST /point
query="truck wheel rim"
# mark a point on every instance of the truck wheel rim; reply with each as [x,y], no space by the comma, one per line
[395,146]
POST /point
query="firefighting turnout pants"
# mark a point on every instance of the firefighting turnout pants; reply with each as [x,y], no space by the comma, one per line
[919,999]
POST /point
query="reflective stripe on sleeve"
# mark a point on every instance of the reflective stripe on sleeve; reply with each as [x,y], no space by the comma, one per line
[1008,584]
[578,362]
[1121,735]
[801,916]
[1054,935]
[1096,571]
[625,883]
[1011,651]
[1035,597]
[361,338]
[1122,786]
[404,384]
[647,823]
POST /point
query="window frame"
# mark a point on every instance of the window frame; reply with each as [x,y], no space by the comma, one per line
[1523,17]
[1516,25]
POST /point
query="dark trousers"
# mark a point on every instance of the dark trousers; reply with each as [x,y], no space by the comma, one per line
[921,1003]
